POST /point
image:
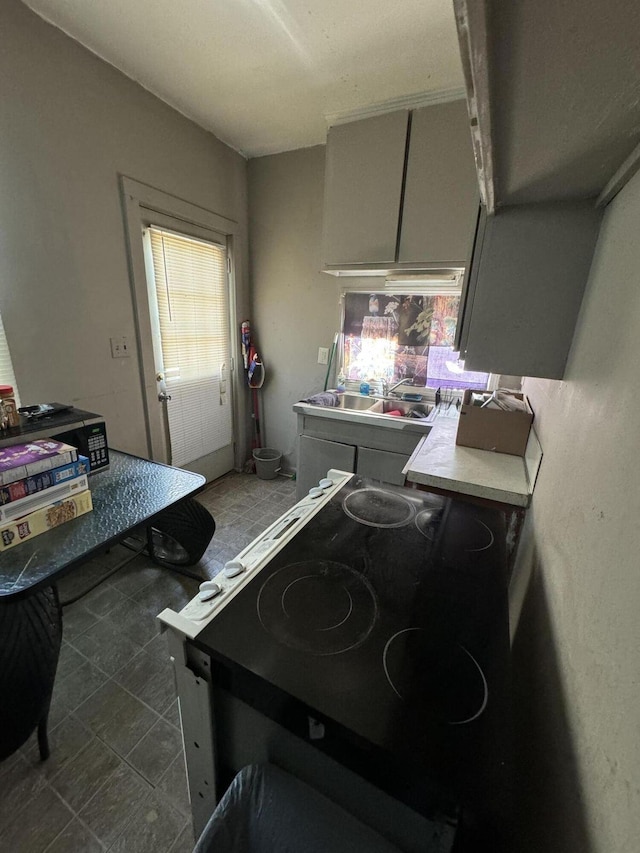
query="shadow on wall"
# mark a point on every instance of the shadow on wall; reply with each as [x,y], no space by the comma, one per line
[549,806]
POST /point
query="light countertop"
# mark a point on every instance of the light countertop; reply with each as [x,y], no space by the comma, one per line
[438,461]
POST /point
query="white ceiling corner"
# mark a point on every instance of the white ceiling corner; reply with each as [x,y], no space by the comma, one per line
[269,75]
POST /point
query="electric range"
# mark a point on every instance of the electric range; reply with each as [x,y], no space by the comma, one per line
[371,620]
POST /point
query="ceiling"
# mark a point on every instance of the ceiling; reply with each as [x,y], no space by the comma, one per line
[269,75]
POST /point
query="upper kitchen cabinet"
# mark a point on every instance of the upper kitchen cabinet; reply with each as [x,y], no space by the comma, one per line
[553,95]
[523,288]
[400,191]
[441,189]
[363,189]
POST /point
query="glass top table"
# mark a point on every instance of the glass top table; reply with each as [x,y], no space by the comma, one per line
[131,492]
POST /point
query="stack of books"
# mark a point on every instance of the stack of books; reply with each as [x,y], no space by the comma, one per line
[43,484]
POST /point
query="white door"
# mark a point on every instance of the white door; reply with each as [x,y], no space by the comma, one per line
[188,287]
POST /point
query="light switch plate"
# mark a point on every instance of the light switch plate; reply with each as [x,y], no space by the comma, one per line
[323,355]
[120,347]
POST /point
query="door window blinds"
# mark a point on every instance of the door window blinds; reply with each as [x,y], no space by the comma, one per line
[7,376]
[192,304]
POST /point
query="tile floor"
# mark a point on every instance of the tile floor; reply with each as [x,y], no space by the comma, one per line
[115,779]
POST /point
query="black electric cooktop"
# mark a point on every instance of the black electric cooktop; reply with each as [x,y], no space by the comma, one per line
[386,615]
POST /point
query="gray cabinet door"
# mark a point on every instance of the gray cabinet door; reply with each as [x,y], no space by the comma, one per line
[441,191]
[381,465]
[363,189]
[316,456]
[529,270]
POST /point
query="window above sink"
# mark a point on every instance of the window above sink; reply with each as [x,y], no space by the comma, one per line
[391,338]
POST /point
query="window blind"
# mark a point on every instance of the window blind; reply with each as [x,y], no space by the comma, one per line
[192,303]
[7,376]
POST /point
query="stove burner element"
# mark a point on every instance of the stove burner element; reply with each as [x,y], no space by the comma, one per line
[319,607]
[426,522]
[477,535]
[428,519]
[451,678]
[314,581]
[378,508]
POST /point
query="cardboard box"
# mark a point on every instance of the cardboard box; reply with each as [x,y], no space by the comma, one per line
[493,429]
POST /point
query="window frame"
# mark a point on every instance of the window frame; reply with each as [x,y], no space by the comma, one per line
[401,287]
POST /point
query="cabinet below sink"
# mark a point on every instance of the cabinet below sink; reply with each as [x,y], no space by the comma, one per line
[372,444]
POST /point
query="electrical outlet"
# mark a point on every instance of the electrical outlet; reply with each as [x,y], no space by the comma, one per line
[323,355]
[120,347]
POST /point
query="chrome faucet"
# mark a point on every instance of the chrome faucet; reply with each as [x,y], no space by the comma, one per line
[385,386]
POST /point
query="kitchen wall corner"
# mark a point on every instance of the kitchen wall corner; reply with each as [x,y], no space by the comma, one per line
[296,307]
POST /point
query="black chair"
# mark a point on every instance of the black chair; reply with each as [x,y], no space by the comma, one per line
[30,637]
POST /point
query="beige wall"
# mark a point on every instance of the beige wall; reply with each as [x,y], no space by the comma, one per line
[71,123]
[577,653]
[295,306]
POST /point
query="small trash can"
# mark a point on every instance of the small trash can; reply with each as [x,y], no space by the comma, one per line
[267,463]
[266,810]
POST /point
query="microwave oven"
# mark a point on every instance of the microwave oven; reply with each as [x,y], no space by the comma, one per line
[85,430]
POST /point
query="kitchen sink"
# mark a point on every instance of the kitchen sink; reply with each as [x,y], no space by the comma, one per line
[356,402]
[383,405]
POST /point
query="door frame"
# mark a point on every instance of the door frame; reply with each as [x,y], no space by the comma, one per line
[144,205]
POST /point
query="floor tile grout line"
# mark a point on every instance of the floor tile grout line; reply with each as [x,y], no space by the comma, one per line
[82,654]
[41,766]
[129,765]
[180,831]
[82,749]
[76,816]
[126,595]
[154,785]
[70,821]
[166,796]
[131,596]
[159,714]
[70,642]
[137,743]
[102,619]
[133,695]
[130,821]
[135,770]
[50,783]
[20,807]
[101,671]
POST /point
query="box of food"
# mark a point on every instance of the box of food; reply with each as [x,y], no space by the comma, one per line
[31,503]
[43,481]
[26,460]
[42,520]
[500,421]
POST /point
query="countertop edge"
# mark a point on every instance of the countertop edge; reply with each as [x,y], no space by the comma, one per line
[418,474]
[472,489]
